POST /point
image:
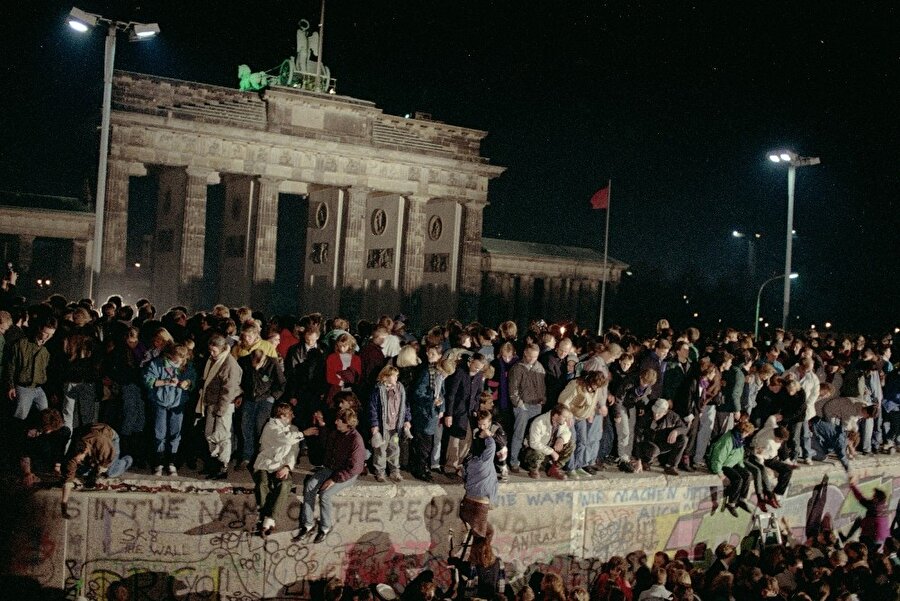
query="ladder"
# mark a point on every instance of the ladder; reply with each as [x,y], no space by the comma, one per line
[767,526]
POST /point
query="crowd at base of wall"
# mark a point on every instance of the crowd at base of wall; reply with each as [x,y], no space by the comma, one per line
[166,541]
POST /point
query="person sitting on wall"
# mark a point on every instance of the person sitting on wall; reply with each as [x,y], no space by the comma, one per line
[278,449]
[549,443]
[345,460]
[726,460]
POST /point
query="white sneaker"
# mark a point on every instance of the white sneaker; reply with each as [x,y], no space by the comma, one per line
[172,470]
[158,471]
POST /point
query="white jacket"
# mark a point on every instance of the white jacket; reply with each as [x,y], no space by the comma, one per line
[278,446]
[764,444]
[539,434]
[810,385]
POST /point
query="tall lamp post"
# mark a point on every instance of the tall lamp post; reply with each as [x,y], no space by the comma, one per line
[82,21]
[787,280]
[793,160]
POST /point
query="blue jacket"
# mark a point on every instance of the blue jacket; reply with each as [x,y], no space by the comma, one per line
[378,409]
[170,397]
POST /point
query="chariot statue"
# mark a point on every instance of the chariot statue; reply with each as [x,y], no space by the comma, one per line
[303,71]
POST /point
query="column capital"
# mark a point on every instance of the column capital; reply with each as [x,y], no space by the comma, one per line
[131,168]
[212,177]
[270,181]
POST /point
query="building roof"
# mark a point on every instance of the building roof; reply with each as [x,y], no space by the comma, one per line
[497,246]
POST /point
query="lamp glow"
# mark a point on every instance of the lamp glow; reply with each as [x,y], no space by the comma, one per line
[774,158]
[784,157]
[794,276]
[78,26]
[146,30]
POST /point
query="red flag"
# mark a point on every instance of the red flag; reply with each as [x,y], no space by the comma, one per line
[600,199]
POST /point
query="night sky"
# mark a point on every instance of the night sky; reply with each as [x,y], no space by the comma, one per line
[677,103]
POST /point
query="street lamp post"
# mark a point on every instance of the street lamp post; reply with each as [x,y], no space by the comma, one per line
[82,22]
[793,161]
[790,276]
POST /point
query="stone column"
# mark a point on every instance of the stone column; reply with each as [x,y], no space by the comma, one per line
[414,245]
[266,220]
[553,299]
[263,244]
[193,231]
[354,249]
[526,296]
[413,266]
[26,253]
[504,294]
[79,264]
[115,216]
[565,299]
[576,301]
[470,261]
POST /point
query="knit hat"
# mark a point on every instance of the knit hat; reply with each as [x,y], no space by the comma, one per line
[660,406]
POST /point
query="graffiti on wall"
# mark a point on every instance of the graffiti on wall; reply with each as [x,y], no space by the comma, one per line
[196,545]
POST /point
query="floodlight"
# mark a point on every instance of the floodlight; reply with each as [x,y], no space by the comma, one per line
[145,30]
[80,20]
[784,156]
[774,158]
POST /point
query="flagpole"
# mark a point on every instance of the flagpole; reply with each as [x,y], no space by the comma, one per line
[605,260]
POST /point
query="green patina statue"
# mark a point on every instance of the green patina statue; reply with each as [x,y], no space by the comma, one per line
[296,72]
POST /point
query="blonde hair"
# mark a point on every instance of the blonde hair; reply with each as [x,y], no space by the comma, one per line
[408,357]
[386,372]
[509,329]
[347,339]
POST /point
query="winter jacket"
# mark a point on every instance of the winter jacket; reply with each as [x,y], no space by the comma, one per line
[345,454]
[378,408]
[169,397]
[582,403]
[727,451]
[657,430]
[224,386]
[258,384]
[278,446]
[304,370]
[98,441]
[462,396]
[732,390]
[539,434]
[27,364]
[764,444]
[426,388]
[527,385]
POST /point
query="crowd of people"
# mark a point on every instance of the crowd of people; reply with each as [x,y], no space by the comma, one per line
[820,568]
[103,391]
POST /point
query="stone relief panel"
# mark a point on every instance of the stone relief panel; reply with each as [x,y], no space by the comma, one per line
[384,231]
[323,232]
[442,242]
[380,258]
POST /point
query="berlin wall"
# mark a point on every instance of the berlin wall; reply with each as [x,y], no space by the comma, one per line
[195,543]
